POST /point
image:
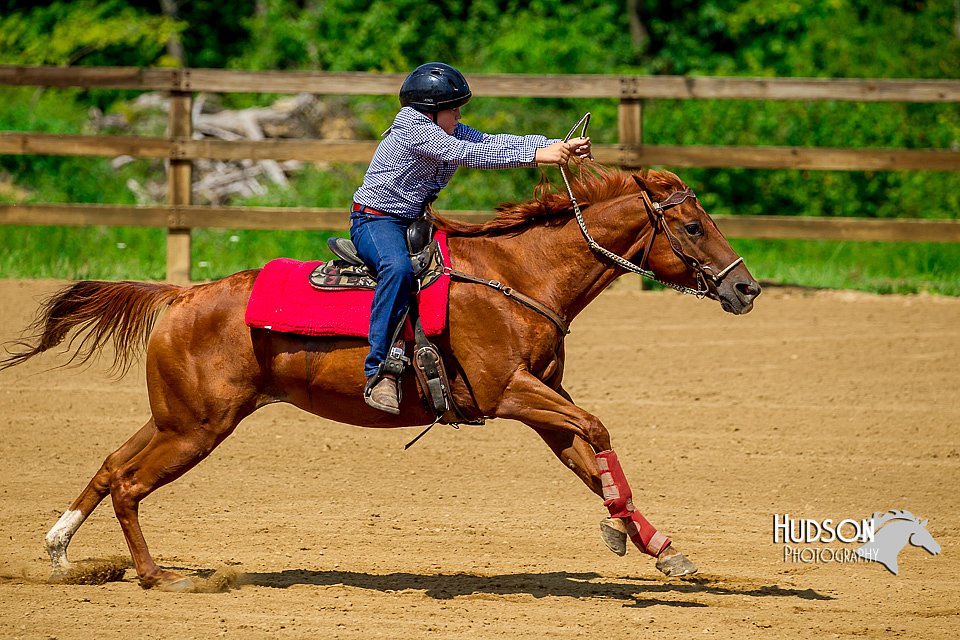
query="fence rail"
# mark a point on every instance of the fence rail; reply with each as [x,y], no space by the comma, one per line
[335,219]
[490,85]
[769,157]
[179,215]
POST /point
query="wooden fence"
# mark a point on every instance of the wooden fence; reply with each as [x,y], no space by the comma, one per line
[179,215]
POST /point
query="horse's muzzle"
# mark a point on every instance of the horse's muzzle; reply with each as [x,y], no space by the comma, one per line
[737,295]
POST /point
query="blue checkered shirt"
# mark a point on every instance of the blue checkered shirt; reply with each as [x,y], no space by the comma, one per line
[416,159]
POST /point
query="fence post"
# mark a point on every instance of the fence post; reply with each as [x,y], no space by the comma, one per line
[630,123]
[179,187]
[630,131]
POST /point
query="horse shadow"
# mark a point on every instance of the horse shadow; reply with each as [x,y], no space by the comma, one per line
[637,592]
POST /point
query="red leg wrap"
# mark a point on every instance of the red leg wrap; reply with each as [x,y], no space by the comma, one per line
[617,496]
[618,499]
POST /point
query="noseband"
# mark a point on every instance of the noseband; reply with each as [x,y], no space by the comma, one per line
[705,275]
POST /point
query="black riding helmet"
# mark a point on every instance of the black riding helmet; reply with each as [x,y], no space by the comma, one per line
[434,87]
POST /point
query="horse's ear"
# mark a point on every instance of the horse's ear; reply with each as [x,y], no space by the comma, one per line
[640,182]
[924,523]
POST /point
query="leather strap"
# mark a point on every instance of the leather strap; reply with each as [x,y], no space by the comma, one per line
[360,208]
[525,300]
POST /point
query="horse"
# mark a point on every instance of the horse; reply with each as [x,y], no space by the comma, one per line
[898,528]
[206,370]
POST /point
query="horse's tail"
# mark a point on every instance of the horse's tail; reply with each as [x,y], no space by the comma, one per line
[123,312]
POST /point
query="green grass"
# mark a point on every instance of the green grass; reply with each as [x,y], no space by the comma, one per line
[879,267]
[116,253]
[220,252]
[131,253]
[82,253]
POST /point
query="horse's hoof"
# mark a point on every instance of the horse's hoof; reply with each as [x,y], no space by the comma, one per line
[614,535]
[59,573]
[676,565]
[167,581]
[182,585]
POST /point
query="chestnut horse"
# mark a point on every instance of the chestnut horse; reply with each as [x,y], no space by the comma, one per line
[206,370]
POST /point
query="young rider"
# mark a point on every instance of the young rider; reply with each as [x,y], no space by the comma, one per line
[416,158]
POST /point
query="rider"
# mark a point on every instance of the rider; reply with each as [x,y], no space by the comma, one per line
[416,158]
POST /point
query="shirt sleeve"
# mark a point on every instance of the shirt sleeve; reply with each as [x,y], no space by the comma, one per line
[471,148]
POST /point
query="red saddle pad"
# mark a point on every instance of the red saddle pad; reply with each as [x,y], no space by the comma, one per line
[283,300]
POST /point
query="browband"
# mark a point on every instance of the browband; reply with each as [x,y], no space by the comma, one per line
[677,197]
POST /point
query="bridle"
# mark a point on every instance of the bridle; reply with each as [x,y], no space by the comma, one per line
[705,275]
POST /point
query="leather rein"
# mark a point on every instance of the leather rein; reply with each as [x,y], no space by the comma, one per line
[705,275]
[523,299]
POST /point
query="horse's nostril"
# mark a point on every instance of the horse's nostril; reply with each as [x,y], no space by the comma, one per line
[748,290]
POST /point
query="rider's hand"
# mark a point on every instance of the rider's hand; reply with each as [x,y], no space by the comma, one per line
[562,152]
[556,153]
[580,148]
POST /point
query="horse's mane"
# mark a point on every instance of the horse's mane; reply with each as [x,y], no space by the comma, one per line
[596,184]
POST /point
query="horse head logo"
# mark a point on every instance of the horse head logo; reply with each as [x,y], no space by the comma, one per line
[898,528]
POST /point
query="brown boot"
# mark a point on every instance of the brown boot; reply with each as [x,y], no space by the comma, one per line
[383,395]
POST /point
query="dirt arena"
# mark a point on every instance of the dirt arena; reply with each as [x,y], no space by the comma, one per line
[818,405]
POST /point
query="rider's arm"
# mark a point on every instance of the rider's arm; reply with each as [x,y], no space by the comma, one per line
[545,151]
[471,148]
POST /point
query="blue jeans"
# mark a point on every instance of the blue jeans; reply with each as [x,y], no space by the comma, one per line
[381,242]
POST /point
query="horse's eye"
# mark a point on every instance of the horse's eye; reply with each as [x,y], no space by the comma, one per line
[693,228]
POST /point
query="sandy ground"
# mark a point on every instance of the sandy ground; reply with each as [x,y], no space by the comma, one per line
[818,404]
